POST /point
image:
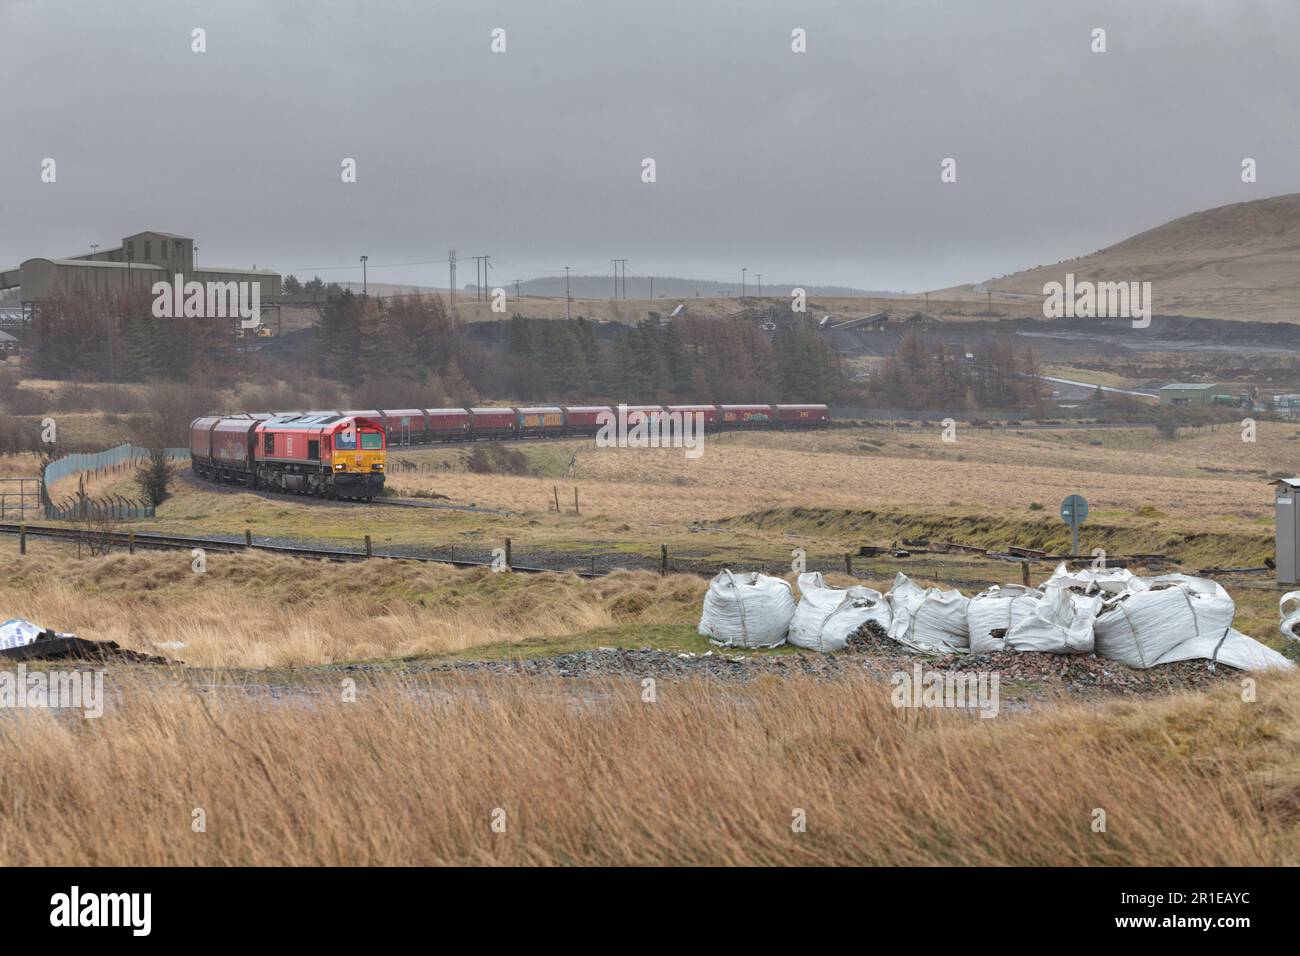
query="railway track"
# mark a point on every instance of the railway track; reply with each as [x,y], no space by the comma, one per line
[149,540]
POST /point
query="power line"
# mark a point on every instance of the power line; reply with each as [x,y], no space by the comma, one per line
[383,265]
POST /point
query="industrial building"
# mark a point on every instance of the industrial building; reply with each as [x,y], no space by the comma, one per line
[1181,393]
[135,265]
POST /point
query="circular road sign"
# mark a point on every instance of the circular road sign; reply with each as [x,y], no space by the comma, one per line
[1074,509]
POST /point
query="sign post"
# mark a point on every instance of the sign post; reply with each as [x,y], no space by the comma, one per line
[1073,510]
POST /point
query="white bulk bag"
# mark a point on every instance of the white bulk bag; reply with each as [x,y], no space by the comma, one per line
[1289,619]
[1108,580]
[998,608]
[18,633]
[826,616]
[1236,650]
[1139,627]
[927,619]
[746,610]
[1059,623]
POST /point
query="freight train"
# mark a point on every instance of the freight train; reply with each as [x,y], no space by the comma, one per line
[424,426]
[340,454]
[329,455]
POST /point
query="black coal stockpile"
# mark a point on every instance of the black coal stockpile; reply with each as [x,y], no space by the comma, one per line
[50,646]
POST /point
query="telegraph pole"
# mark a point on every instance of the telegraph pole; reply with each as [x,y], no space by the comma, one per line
[451,265]
[567,298]
[364,286]
[617,263]
[743,270]
[480,263]
[517,296]
[760,284]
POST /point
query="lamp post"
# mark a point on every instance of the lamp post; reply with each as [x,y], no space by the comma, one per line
[364,286]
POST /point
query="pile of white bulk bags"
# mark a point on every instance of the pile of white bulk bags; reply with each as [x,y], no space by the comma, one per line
[991,615]
[826,616]
[747,610]
[929,620]
[1138,621]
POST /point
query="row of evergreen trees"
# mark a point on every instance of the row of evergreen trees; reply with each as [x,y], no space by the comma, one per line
[115,337]
[408,349]
[688,360]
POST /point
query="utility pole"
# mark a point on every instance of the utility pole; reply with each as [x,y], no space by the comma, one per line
[94,247]
[743,270]
[480,263]
[364,286]
[517,295]
[652,287]
[451,265]
[760,284]
[617,263]
[567,298]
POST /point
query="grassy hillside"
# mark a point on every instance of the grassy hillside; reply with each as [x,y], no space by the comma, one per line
[1240,261]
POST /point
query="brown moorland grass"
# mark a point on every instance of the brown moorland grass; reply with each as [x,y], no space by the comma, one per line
[413,772]
[261,610]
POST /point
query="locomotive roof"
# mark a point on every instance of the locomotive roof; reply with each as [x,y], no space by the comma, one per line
[295,422]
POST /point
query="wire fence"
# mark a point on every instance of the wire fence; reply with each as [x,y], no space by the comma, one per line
[91,465]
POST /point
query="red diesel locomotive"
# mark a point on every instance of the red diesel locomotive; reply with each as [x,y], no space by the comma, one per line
[326,454]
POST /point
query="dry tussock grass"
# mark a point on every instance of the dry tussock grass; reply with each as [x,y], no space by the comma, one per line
[411,774]
[739,473]
[260,610]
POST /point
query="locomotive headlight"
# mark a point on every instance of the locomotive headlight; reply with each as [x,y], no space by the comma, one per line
[377,466]
[338,467]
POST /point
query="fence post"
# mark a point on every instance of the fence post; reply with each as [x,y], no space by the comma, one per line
[130,542]
[368,552]
[575,502]
[848,563]
[248,538]
[1024,572]
[22,538]
[663,559]
[509,562]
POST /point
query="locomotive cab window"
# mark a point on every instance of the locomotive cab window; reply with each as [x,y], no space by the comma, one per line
[372,440]
[345,442]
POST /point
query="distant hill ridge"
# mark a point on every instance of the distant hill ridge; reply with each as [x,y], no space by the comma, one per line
[1236,261]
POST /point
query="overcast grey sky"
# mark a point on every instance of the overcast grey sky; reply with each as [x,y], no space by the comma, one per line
[820,167]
